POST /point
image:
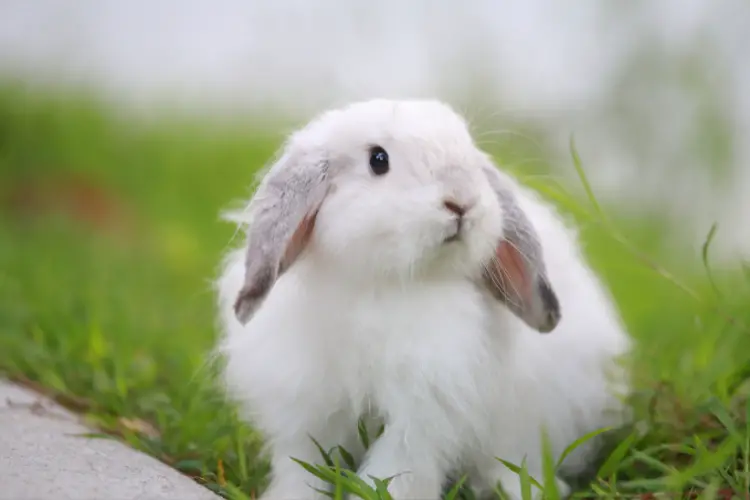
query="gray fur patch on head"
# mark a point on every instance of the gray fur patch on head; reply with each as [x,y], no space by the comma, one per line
[291,190]
[516,226]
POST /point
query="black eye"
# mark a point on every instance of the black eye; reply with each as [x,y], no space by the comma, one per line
[379,161]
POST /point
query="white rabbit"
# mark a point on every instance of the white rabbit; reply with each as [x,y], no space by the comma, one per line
[392,270]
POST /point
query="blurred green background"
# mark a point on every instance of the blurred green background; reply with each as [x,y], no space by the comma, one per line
[110,238]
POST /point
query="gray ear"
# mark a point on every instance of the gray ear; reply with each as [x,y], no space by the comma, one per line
[282,218]
[516,274]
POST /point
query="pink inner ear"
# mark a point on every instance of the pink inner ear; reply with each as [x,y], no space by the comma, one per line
[298,241]
[514,269]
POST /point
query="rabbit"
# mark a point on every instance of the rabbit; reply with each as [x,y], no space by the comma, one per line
[392,271]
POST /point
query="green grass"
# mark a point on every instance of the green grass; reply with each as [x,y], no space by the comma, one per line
[112,314]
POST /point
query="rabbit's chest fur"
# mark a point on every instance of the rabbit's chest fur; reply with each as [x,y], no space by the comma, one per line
[426,343]
[435,356]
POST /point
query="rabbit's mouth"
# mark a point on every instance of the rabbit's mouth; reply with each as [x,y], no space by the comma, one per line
[456,236]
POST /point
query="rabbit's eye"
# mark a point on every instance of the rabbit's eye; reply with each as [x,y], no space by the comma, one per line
[379,161]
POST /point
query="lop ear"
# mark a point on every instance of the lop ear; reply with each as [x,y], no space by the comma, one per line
[516,274]
[282,217]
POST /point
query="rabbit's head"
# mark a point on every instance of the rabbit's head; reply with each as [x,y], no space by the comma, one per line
[395,190]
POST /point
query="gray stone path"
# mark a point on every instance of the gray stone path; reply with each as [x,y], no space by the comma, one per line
[43,457]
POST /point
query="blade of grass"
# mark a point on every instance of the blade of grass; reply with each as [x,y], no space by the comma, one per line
[234,493]
[705,464]
[338,486]
[722,414]
[321,472]
[359,486]
[363,436]
[612,464]
[381,487]
[326,455]
[578,442]
[349,481]
[453,492]
[548,469]
[612,232]
[525,481]
[348,458]
[654,463]
[241,456]
[584,180]
[515,468]
[711,491]
[704,255]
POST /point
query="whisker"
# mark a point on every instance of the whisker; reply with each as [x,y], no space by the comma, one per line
[507,279]
[508,132]
[500,283]
[518,249]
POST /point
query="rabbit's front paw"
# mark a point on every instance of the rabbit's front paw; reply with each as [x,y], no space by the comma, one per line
[413,471]
[407,486]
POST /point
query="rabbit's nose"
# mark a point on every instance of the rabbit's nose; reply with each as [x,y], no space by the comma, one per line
[456,208]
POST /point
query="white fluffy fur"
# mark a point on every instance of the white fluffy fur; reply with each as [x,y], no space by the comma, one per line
[378,317]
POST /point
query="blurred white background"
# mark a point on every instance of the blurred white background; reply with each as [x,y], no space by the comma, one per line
[657,92]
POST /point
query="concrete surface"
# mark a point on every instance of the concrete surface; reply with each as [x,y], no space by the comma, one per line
[43,456]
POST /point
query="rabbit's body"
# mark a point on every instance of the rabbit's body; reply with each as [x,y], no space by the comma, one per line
[457,377]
